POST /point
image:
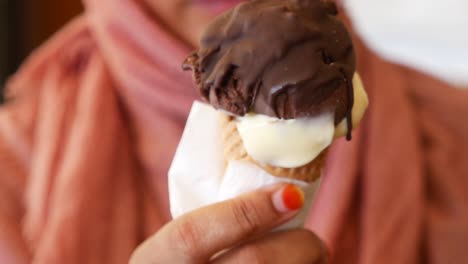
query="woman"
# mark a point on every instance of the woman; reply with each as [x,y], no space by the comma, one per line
[87,137]
[93,119]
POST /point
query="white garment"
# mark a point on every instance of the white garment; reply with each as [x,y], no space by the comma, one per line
[428,35]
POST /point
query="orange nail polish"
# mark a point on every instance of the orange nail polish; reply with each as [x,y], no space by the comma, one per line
[293,197]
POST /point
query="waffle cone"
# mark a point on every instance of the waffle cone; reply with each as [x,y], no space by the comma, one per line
[234,150]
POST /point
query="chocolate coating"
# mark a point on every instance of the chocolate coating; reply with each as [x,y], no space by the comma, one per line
[281,58]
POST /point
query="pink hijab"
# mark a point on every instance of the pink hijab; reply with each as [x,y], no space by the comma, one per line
[95,115]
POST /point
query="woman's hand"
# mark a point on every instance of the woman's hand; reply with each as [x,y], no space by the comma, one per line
[236,231]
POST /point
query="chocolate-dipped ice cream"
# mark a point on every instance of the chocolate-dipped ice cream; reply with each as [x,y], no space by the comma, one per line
[287,59]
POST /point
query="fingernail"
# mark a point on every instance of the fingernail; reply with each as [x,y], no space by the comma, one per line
[289,198]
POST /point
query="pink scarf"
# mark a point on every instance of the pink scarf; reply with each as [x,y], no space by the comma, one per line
[94,118]
[87,138]
[398,193]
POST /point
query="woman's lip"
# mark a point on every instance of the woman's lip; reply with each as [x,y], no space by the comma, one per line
[217,6]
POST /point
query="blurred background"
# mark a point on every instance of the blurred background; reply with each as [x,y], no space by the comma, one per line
[25,24]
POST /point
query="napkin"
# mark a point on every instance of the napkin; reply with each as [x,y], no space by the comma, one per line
[198,177]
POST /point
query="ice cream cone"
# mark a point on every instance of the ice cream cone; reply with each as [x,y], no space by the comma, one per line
[234,150]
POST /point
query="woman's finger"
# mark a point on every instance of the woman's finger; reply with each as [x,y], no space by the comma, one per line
[295,247]
[196,236]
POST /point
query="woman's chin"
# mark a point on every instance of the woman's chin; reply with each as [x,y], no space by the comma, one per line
[216,7]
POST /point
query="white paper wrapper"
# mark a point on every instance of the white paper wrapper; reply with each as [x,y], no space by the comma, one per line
[197,176]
